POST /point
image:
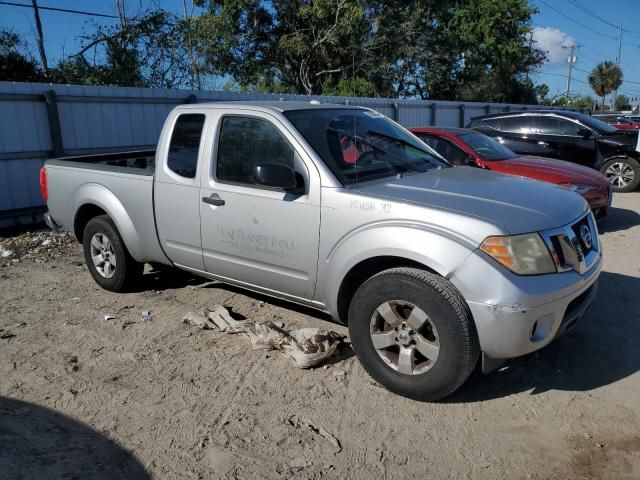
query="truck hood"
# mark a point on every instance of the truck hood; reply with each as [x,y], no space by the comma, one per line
[554,171]
[517,205]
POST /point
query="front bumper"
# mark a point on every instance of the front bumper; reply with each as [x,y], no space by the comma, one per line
[516,315]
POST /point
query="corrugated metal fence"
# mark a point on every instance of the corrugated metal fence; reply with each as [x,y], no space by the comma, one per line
[39,121]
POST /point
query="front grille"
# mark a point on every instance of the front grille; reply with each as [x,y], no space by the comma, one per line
[574,246]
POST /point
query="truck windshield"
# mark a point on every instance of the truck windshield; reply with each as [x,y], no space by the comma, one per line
[486,147]
[359,145]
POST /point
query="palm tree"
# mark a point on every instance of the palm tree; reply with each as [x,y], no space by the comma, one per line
[605,78]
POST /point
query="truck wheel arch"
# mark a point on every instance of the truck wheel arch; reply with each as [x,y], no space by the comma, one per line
[92,200]
[364,270]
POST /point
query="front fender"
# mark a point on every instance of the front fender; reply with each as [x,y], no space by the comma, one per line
[436,249]
[99,195]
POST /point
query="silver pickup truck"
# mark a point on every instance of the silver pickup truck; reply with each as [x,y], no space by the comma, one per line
[341,209]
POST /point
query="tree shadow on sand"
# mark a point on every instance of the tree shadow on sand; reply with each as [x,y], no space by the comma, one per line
[39,443]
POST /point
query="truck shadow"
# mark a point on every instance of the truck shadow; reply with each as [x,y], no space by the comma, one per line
[619,219]
[602,349]
[36,442]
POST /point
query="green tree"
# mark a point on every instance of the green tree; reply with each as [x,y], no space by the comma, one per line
[605,78]
[467,49]
[15,63]
[622,103]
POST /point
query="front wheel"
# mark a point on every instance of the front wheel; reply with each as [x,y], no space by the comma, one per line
[623,173]
[107,257]
[413,333]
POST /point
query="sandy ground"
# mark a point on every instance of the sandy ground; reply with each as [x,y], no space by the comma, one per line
[81,397]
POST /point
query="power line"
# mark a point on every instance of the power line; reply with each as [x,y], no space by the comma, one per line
[65,10]
[578,23]
[603,20]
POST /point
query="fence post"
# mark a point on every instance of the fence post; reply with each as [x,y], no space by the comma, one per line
[507,108]
[54,123]
[487,109]
[396,112]
[433,108]
[461,107]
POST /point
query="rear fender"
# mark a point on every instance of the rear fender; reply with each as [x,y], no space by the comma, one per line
[100,196]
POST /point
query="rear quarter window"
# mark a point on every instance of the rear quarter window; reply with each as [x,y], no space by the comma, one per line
[185,144]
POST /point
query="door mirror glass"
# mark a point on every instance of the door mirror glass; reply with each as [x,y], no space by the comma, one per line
[275,175]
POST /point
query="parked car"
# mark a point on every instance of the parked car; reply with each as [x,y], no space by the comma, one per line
[431,267]
[617,120]
[569,136]
[465,147]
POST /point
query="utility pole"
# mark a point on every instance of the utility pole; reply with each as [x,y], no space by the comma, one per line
[615,93]
[43,54]
[530,44]
[571,60]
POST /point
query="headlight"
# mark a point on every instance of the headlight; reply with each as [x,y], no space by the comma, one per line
[579,188]
[522,254]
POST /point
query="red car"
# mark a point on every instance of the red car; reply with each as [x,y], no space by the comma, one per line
[618,121]
[464,147]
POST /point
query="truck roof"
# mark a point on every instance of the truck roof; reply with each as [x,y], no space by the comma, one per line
[278,105]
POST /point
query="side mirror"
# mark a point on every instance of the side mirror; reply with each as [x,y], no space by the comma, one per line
[277,176]
[585,133]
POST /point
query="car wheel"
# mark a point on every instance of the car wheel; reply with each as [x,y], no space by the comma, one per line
[107,257]
[623,173]
[413,333]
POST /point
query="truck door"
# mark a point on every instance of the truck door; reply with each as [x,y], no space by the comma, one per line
[251,234]
[177,189]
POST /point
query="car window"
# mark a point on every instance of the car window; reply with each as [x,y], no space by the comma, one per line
[518,124]
[558,126]
[446,148]
[486,147]
[245,142]
[185,144]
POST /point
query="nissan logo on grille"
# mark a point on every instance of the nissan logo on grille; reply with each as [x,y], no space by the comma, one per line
[585,236]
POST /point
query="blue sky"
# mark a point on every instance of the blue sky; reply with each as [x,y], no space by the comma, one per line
[591,30]
[559,23]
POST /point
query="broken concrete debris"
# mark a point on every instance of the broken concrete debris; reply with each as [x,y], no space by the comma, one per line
[307,347]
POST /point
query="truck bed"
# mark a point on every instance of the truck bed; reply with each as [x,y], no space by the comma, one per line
[141,162]
[120,184]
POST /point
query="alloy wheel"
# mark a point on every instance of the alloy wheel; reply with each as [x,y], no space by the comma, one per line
[404,337]
[103,256]
[619,174]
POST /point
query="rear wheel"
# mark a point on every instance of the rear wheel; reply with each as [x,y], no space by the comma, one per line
[413,333]
[623,173]
[107,257]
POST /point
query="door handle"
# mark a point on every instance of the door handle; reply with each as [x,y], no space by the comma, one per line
[214,199]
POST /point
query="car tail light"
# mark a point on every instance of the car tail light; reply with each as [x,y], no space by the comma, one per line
[44,189]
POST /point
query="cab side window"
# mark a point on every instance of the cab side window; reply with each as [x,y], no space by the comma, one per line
[185,144]
[245,142]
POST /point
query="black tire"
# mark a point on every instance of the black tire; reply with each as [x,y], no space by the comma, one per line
[127,271]
[609,167]
[446,309]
